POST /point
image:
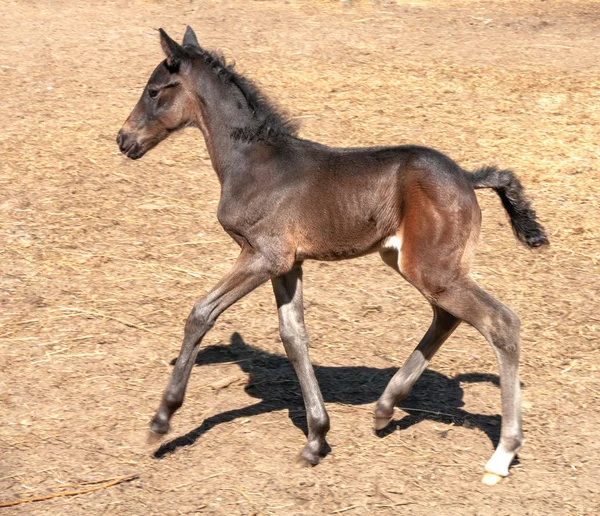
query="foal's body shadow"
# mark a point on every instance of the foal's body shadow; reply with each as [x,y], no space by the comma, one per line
[273,381]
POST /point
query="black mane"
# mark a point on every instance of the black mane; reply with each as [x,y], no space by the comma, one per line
[270,122]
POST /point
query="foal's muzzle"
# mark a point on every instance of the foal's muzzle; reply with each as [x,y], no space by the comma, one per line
[128,145]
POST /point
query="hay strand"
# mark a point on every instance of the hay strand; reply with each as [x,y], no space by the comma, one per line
[108,482]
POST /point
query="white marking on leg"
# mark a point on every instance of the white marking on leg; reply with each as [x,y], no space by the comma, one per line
[500,462]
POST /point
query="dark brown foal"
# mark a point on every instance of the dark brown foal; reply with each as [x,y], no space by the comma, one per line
[285,200]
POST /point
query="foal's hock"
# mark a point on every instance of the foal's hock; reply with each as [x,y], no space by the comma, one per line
[285,200]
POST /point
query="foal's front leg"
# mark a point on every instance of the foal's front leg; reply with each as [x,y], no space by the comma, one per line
[249,271]
[288,294]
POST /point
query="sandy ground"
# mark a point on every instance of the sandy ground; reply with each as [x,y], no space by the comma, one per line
[102,258]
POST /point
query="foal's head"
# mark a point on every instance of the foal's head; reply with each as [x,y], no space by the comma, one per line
[168,102]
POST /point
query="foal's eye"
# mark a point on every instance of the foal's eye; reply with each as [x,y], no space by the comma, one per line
[153,93]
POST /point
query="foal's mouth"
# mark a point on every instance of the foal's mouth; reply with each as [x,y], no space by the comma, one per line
[130,147]
[134,151]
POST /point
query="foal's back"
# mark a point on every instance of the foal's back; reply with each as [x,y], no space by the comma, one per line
[343,203]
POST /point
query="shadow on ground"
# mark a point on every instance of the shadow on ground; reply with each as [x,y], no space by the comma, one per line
[272,380]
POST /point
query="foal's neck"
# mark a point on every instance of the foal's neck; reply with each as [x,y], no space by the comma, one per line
[234,116]
[224,114]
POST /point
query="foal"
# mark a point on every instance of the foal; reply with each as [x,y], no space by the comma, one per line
[285,200]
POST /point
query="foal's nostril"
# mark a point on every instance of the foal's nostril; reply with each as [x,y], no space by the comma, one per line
[123,141]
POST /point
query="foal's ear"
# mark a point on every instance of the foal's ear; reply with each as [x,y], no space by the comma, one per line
[172,50]
[190,39]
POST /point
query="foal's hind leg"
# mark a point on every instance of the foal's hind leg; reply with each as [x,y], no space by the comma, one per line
[441,328]
[500,326]
[288,294]
[400,385]
[435,257]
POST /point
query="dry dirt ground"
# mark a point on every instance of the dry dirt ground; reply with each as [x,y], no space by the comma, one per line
[102,258]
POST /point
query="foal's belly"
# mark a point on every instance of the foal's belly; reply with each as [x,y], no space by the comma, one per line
[332,241]
[344,216]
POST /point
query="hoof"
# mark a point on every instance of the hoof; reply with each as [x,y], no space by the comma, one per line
[383,415]
[491,479]
[311,455]
[308,459]
[159,426]
[381,422]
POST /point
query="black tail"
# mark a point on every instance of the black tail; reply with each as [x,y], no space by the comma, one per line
[522,215]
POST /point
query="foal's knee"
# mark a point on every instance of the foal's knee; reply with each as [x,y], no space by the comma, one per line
[200,317]
[506,329]
[511,320]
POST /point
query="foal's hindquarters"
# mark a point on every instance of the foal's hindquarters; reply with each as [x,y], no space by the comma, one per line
[432,219]
[433,249]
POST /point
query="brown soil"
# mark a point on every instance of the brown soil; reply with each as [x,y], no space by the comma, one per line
[102,258]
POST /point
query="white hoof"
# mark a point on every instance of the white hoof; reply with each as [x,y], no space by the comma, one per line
[491,479]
